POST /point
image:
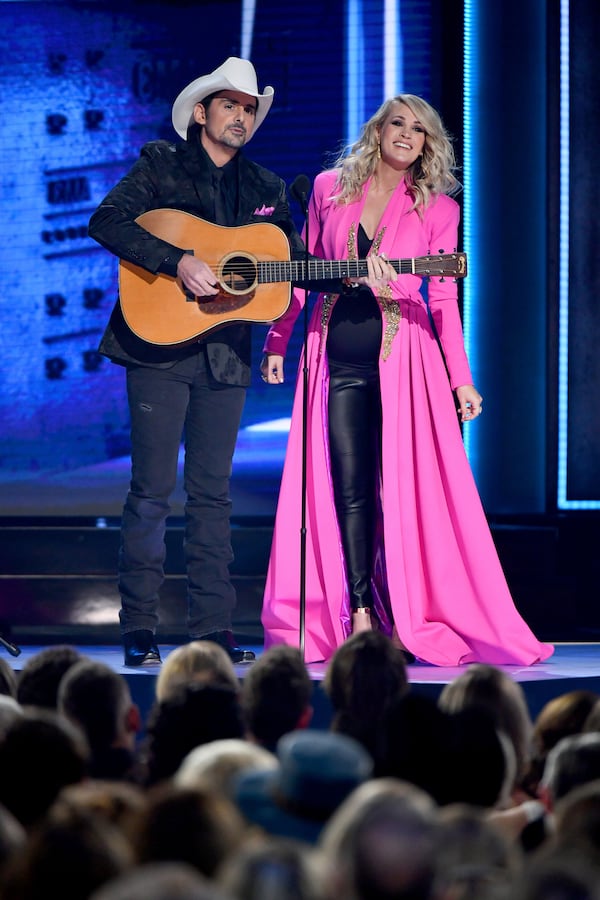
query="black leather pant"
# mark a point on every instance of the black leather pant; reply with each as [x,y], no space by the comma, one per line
[354,443]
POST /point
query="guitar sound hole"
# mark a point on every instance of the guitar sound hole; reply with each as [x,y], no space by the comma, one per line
[239,274]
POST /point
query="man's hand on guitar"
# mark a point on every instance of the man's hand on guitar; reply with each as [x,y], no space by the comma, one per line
[197,277]
[271,368]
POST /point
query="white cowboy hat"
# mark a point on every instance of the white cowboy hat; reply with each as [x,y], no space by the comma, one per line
[235,75]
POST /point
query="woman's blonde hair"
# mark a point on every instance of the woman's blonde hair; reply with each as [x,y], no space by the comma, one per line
[202,661]
[431,174]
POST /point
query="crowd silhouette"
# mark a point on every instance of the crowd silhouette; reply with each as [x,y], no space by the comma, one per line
[227,790]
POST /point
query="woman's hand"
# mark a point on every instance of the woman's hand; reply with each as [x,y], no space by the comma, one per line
[381,272]
[271,368]
[470,402]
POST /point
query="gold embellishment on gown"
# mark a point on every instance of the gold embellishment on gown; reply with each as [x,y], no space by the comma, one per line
[390,309]
[328,301]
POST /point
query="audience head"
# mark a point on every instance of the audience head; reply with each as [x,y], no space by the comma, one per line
[493,689]
[160,881]
[557,874]
[473,738]
[276,695]
[201,661]
[13,838]
[317,770]
[574,761]
[69,854]
[118,801]
[192,715]
[416,740]
[473,859]
[273,868]
[98,700]
[10,710]
[592,722]
[565,714]
[381,843]
[364,677]
[8,679]
[41,753]
[560,717]
[193,825]
[577,819]
[40,677]
[217,763]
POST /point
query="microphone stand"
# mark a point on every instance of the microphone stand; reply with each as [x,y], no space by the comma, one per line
[12,648]
[299,190]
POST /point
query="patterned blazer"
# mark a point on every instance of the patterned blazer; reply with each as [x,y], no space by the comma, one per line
[178,176]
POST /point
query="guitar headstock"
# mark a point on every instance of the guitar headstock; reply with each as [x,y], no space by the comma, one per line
[444,265]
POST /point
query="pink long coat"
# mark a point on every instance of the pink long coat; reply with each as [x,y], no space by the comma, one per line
[437,570]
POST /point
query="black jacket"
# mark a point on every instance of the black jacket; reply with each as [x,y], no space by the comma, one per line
[177,176]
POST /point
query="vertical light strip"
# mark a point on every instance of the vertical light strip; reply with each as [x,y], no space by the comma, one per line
[563,272]
[392,50]
[355,101]
[248,13]
[470,180]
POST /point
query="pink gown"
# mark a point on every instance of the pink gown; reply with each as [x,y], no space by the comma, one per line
[437,576]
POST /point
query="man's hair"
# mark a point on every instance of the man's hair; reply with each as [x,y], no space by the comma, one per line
[275,693]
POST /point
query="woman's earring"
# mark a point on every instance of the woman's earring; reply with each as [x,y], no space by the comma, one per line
[379,150]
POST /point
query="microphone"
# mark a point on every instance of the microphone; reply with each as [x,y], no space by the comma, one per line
[299,191]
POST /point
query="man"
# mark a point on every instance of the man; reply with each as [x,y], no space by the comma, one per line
[197,388]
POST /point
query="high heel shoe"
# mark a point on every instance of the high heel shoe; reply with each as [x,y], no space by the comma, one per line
[361,619]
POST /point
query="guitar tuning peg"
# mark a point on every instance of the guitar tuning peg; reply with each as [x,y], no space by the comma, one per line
[442,279]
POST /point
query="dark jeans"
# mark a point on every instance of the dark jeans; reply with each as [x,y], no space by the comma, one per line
[166,404]
[354,444]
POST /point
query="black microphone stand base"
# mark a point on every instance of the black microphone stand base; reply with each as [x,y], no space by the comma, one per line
[12,648]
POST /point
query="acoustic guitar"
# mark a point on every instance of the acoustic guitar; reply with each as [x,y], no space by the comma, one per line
[254,282]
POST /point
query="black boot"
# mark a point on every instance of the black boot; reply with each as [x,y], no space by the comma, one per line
[140,648]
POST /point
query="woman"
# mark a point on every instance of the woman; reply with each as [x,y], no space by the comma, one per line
[396,536]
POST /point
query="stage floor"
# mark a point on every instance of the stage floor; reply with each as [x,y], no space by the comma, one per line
[573,666]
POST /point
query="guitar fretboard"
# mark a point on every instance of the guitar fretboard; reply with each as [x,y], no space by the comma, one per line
[320,269]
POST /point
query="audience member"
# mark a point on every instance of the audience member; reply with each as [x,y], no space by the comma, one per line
[192,715]
[317,770]
[217,763]
[576,821]
[273,868]
[592,722]
[381,843]
[198,826]
[10,710]
[98,700]
[160,881]
[38,681]
[41,753]
[12,838]
[493,689]
[561,716]
[117,801]
[415,736]
[201,661]
[573,761]
[276,695]
[69,854]
[364,677]
[558,875]
[8,679]
[473,859]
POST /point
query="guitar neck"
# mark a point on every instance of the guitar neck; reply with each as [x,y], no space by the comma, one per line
[449,264]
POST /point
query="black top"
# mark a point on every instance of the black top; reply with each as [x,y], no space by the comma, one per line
[354,333]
